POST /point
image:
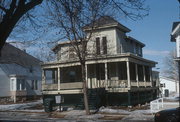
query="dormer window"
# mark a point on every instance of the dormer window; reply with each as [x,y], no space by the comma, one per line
[97,45]
[104,45]
[71,52]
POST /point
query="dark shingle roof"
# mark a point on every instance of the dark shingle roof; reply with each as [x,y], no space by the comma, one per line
[175,24]
[105,21]
[11,54]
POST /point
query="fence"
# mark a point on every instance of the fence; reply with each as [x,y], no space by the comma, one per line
[156,105]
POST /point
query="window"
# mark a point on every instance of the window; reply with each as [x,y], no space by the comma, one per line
[51,76]
[72,76]
[104,44]
[18,84]
[12,85]
[34,85]
[136,48]
[100,71]
[71,52]
[97,45]
[21,85]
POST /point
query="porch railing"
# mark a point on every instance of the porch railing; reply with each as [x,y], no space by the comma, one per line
[95,84]
[117,83]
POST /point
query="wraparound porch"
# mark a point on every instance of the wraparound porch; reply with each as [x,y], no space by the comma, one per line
[122,75]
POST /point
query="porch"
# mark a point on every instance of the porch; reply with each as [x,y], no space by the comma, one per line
[117,76]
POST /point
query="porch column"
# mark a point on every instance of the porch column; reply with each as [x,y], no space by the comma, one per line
[86,76]
[106,74]
[43,77]
[137,79]
[128,74]
[144,76]
[59,79]
[150,68]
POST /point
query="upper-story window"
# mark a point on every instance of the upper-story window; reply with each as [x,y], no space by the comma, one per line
[137,50]
[71,52]
[104,45]
[97,45]
[101,46]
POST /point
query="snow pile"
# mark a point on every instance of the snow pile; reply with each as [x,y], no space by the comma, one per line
[133,115]
[113,111]
[91,117]
[148,111]
[137,116]
[74,114]
[19,106]
[81,115]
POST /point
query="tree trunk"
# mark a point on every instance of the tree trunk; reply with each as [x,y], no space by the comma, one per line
[85,88]
[12,16]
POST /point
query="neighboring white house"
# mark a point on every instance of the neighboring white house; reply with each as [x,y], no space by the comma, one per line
[169,84]
[175,36]
[20,74]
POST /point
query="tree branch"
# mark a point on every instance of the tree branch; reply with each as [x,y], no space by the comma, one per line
[2,8]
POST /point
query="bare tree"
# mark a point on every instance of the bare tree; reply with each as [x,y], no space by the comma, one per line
[71,16]
[11,11]
[171,66]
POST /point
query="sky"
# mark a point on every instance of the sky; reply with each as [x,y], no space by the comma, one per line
[154,30]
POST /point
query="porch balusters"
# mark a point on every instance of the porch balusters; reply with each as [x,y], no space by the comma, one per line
[128,74]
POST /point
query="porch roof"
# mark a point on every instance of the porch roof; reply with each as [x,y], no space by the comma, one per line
[101,59]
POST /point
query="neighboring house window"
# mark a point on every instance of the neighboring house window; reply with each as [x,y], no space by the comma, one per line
[71,52]
[31,69]
[104,44]
[21,84]
[34,85]
[97,45]
[12,83]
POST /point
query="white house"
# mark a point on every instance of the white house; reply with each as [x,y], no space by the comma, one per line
[169,84]
[117,73]
[20,74]
[175,36]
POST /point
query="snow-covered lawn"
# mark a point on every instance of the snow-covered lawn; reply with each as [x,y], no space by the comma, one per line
[21,106]
[104,112]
